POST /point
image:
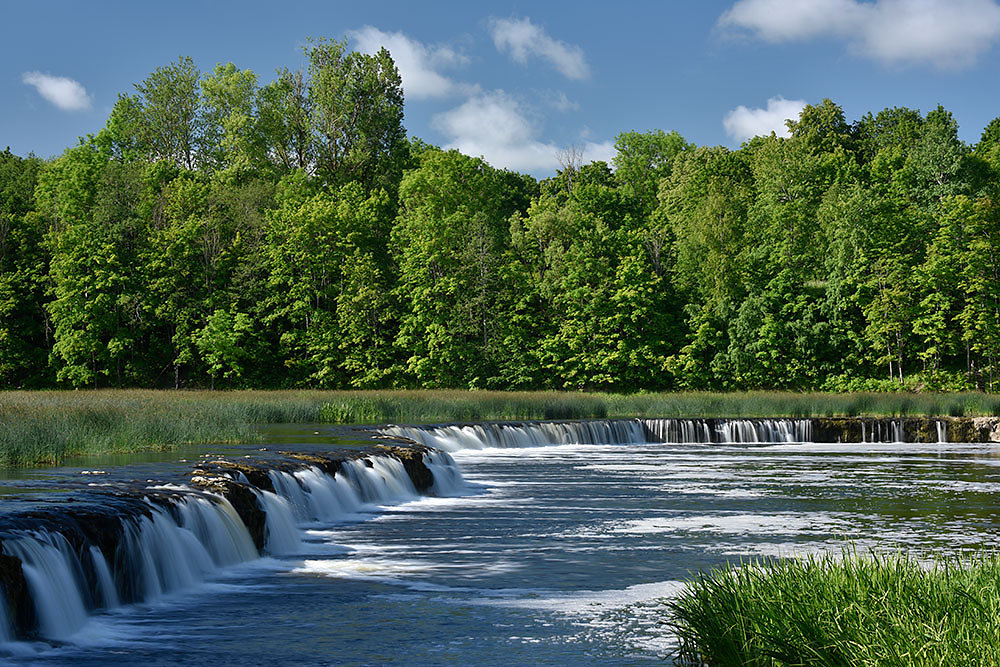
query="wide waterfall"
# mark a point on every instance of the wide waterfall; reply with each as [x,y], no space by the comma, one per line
[120,542]
[61,564]
[457,437]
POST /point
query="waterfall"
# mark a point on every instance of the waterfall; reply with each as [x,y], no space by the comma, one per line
[50,568]
[167,538]
[729,430]
[109,595]
[942,431]
[313,495]
[282,535]
[453,438]
[448,480]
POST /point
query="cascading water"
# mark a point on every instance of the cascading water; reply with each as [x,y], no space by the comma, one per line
[169,537]
[50,569]
[729,430]
[452,438]
[134,544]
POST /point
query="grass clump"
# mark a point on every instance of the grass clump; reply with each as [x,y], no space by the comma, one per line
[877,611]
[44,427]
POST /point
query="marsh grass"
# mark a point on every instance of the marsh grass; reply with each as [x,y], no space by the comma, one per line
[877,611]
[46,427]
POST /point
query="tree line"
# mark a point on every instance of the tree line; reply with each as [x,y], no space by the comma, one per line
[220,232]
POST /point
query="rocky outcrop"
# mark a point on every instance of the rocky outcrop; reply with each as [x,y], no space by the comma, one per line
[906,429]
[412,458]
[244,501]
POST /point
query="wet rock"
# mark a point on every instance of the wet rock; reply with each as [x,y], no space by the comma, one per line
[20,608]
[412,459]
[329,464]
[255,474]
[244,501]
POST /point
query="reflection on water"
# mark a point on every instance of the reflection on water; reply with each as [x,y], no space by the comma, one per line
[557,554]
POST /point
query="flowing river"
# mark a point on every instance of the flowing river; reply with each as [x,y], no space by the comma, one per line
[555,544]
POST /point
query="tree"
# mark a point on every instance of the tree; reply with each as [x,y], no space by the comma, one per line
[169,112]
[356,103]
[24,327]
[230,139]
[448,242]
[310,236]
[643,159]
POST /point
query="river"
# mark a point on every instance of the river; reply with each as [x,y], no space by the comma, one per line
[540,554]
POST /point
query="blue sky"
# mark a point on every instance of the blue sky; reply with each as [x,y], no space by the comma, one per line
[519,81]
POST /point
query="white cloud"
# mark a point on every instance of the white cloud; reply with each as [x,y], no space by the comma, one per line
[561,103]
[742,122]
[495,126]
[417,63]
[523,39]
[947,34]
[61,91]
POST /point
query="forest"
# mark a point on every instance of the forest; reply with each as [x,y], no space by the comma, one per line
[219,232]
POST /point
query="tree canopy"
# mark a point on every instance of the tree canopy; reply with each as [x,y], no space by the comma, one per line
[221,232]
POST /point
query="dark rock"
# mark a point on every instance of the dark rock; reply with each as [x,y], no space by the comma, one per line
[244,501]
[20,608]
[412,459]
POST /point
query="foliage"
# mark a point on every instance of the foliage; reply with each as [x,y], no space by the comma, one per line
[820,610]
[223,231]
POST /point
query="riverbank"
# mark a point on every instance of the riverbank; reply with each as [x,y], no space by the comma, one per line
[45,428]
[876,610]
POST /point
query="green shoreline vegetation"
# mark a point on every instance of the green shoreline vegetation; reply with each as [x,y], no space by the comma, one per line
[875,611]
[227,231]
[46,427]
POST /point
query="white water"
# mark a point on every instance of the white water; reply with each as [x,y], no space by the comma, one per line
[168,549]
[455,438]
[50,569]
[730,430]
[109,596]
[282,535]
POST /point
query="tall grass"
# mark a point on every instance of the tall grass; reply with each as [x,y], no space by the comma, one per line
[46,427]
[877,611]
[457,406]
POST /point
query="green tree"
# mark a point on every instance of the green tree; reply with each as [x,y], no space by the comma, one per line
[448,242]
[643,159]
[23,266]
[169,118]
[356,103]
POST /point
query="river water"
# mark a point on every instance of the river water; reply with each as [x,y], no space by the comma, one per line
[544,555]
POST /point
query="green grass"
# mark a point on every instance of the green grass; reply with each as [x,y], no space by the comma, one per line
[457,406]
[46,427]
[877,611]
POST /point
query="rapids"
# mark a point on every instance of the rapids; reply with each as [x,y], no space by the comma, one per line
[479,543]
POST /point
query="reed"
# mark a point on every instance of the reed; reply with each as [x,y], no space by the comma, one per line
[46,427]
[877,611]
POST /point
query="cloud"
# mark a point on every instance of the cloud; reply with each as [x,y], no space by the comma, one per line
[61,91]
[523,39]
[742,122]
[558,101]
[495,126]
[417,63]
[947,34]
